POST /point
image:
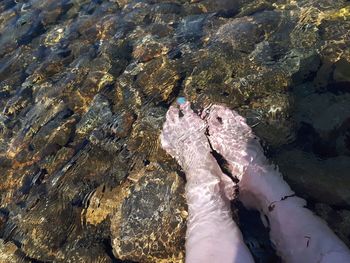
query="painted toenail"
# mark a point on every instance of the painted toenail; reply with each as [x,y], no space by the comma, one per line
[181,100]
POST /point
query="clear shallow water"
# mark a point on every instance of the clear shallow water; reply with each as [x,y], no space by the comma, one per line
[84,87]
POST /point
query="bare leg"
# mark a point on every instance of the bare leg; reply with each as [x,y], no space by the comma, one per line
[298,234]
[212,235]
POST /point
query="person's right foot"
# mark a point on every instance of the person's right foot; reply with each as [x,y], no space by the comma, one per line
[230,135]
[298,235]
[260,183]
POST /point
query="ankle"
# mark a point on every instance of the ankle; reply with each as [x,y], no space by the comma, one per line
[265,185]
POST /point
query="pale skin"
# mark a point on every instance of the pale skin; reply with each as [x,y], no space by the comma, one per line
[212,235]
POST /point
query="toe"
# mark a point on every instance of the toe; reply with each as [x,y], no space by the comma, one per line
[187,111]
[185,107]
[214,122]
[172,114]
[192,120]
[228,116]
[223,116]
[219,114]
[217,108]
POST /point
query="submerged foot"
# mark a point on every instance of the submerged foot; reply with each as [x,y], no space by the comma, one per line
[183,137]
[230,135]
[260,183]
[262,187]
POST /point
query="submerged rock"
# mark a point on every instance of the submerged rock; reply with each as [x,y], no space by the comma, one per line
[338,219]
[147,215]
[9,252]
[85,85]
[324,181]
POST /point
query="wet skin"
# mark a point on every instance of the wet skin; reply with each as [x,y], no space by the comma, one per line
[212,235]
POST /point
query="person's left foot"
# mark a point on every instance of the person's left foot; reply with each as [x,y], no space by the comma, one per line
[183,136]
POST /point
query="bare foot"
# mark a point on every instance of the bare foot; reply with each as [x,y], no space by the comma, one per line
[230,135]
[299,235]
[183,137]
[211,235]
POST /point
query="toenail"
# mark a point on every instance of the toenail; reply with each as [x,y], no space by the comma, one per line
[181,100]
